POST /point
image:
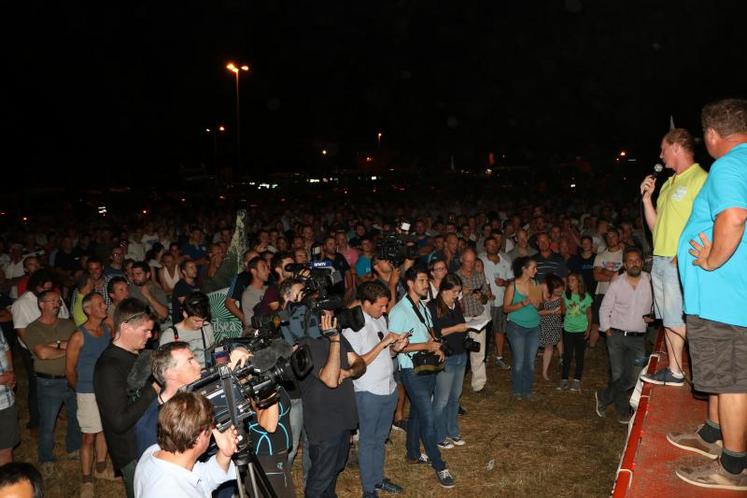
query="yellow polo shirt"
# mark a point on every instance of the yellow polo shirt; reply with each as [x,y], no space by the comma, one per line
[673,208]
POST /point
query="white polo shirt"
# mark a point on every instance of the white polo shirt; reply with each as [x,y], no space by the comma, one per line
[501,269]
[379,376]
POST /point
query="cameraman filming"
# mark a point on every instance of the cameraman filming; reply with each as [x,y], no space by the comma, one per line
[376,390]
[170,467]
[329,410]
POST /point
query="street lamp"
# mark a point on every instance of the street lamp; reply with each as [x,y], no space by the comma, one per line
[236,70]
[378,139]
[214,133]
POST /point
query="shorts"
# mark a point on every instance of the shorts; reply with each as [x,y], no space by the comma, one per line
[498,319]
[719,356]
[89,418]
[10,435]
[667,292]
[595,308]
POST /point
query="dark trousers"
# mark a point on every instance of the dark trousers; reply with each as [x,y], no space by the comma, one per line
[574,344]
[33,397]
[328,458]
[626,353]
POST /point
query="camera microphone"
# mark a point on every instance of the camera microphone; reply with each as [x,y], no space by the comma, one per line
[658,168]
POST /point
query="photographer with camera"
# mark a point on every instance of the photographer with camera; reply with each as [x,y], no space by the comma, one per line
[329,410]
[418,367]
[450,327]
[475,297]
[195,328]
[376,390]
[170,468]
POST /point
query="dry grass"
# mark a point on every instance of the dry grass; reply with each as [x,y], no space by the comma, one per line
[553,446]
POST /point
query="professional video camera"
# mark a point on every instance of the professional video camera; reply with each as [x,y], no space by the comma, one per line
[317,277]
[397,247]
[254,383]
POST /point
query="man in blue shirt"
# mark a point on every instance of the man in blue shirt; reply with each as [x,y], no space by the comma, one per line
[712,258]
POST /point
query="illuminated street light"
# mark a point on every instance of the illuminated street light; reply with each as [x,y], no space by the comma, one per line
[324,152]
[236,70]
[378,139]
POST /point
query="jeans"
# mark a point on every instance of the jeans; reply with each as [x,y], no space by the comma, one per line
[422,423]
[296,422]
[53,393]
[328,459]
[623,353]
[524,343]
[574,344]
[374,421]
[446,399]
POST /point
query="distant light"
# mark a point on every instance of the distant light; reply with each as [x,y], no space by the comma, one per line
[369,159]
[184,200]
[274,185]
[373,178]
[573,185]
[145,211]
[324,152]
[102,210]
[25,218]
[3,213]
[207,130]
[488,171]
[221,128]
[313,180]
[623,153]
[252,183]
[222,197]
[245,68]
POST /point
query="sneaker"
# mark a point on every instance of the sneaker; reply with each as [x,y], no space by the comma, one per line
[400,425]
[691,441]
[86,490]
[624,419]
[457,441]
[445,479]
[462,411]
[370,494]
[663,377]
[106,475]
[563,385]
[576,386]
[388,486]
[712,475]
[47,470]
[422,459]
[446,444]
[600,407]
[502,364]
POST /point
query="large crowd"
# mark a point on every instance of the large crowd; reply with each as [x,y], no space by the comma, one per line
[443,286]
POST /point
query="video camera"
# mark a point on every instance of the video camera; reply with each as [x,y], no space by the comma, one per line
[236,393]
[397,247]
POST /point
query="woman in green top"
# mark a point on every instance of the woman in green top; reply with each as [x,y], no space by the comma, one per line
[520,302]
[576,325]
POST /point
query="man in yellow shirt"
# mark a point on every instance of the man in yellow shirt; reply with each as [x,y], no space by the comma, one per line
[666,222]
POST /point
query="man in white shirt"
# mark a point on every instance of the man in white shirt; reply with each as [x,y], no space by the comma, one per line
[498,274]
[623,318]
[170,468]
[376,390]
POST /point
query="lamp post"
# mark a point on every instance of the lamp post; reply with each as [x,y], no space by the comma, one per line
[236,70]
[214,134]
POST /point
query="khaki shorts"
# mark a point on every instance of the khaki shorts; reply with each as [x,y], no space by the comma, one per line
[89,418]
[719,356]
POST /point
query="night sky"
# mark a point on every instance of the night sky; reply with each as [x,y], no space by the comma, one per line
[97,90]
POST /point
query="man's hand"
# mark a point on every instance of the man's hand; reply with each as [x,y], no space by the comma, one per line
[8,379]
[344,374]
[238,357]
[433,346]
[227,441]
[701,252]
[394,277]
[500,282]
[400,342]
[328,325]
[648,186]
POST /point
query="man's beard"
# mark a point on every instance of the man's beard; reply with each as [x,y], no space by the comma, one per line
[634,271]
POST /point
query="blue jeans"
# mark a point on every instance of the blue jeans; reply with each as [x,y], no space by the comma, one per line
[296,422]
[375,414]
[524,343]
[53,393]
[421,424]
[446,399]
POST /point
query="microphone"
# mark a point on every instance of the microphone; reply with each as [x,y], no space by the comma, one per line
[658,168]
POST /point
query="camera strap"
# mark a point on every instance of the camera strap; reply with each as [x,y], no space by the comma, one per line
[422,319]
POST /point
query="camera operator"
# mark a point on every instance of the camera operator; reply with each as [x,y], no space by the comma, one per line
[133,324]
[376,390]
[170,467]
[409,314]
[329,410]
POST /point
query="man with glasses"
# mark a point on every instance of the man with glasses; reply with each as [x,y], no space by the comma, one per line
[46,338]
[120,411]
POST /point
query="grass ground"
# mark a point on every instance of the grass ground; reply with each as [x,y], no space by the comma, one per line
[553,446]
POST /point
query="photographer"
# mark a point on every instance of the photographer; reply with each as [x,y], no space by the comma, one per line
[376,390]
[170,468]
[329,411]
[409,314]
[450,327]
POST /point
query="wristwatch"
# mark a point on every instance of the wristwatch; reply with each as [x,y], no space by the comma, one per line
[58,343]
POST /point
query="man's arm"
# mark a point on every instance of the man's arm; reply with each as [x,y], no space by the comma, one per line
[49,351]
[727,233]
[232,306]
[114,403]
[161,311]
[605,309]
[357,368]
[649,211]
[71,358]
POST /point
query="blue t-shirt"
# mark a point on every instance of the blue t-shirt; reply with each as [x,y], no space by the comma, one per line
[402,319]
[719,295]
[363,266]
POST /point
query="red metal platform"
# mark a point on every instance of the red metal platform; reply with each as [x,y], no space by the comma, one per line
[649,460]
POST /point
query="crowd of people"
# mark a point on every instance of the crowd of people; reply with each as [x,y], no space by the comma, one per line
[88,305]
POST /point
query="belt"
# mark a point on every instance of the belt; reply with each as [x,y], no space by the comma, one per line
[49,376]
[626,332]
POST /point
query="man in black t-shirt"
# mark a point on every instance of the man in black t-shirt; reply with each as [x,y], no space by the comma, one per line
[183,288]
[342,276]
[329,410]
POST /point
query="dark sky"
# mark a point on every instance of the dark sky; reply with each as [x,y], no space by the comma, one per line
[102,88]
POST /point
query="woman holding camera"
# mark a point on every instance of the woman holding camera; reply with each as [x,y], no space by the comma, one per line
[520,303]
[450,327]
